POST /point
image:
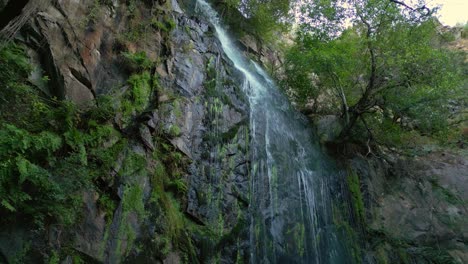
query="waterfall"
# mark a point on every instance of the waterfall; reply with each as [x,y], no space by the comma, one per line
[291,180]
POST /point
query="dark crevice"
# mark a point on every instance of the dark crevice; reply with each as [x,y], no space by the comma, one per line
[11,11]
[82,79]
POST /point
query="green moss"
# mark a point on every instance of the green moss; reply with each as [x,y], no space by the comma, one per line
[133,201]
[54,258]
[350,235]
[138,60]
[166,26]
[135,33]
[187,29]
[50,151]
[133,164]
[177,108]
[180,186]
[105,109]
[445,194]
[298,234]
[167,185]
[188,46]
[211,76]
[20,104]
[137,98]
[159,25]
[171,24]
[107,205]
[174,131]
[81,141]
[77,259]
[354,186]
[141,89]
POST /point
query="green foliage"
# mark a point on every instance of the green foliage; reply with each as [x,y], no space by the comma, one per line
[269,17]
[180,186]
[15,65]
[264,19]
[135,33]
[138,60]
[107,205]
[105,111]
[464,33]
[136,99]
[77,260]
[54,258]
[168,187]
[20,104]
[131,7]
[315,66]
[386,75]
[141,89]
[49,150]
[174,131]
[95,12]
[212,78]
[166,26]
[18,174]
[133,201]
[177,109]
[350,235]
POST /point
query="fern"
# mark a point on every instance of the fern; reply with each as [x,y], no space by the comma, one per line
[14,141]
[8,206]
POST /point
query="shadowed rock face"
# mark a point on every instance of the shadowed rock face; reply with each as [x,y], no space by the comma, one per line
[78,45]
[420,202]
[9,10]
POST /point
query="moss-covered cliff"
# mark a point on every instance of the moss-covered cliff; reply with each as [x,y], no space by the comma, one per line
[124,137]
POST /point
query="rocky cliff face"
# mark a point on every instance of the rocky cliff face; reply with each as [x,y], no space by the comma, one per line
[414,208]
[177,189]
[187,122]
[406,208]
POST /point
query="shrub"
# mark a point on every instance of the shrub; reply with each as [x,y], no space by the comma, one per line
[174,131]
[138,60]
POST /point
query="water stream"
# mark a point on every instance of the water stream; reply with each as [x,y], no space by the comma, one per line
[291,180]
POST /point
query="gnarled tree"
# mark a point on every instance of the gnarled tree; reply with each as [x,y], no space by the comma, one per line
[387,70]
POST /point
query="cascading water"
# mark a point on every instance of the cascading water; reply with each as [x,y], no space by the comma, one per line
[291,190]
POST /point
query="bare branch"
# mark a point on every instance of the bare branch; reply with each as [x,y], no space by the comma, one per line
[421,9]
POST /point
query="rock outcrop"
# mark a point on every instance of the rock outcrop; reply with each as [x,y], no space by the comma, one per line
[415,208]
[85,49]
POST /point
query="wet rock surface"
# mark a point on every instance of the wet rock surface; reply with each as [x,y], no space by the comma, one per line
[417,202]
[80,47]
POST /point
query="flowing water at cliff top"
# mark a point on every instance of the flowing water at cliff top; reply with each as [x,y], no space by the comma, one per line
[291,180]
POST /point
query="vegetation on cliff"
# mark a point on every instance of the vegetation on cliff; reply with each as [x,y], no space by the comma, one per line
[389,77]
[386,68]
[263,19]
[52,153]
